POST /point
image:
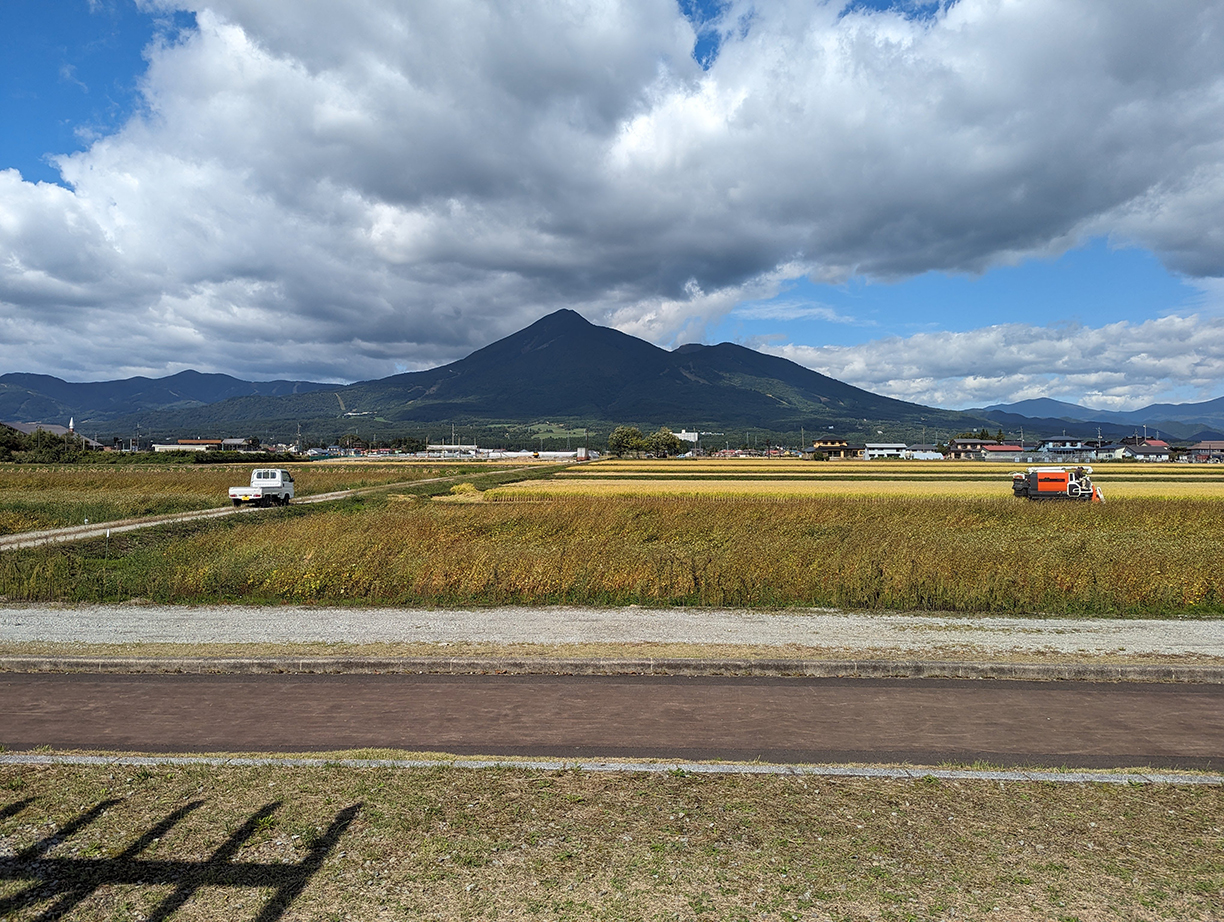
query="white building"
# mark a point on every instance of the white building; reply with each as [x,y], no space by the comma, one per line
[877,450]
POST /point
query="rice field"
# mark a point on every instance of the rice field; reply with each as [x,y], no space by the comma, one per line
[1142,557]
[770,478]
[33,498]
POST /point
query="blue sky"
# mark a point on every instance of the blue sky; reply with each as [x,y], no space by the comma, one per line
[69,71]
[1093,284]
[956,204]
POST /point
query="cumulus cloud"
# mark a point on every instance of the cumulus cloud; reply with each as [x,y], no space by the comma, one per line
[336,191]
[1120,366]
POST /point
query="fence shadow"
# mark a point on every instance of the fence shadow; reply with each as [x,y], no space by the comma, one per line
[65,882]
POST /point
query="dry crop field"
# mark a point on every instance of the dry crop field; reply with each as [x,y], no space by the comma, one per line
[1138,557]
[32,498]
[451,843]
[760,477]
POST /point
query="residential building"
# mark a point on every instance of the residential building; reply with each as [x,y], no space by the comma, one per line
[837,449]
[874,451]
[968,449]
[998,452]
[1145,453]
[923,453]
[1206,451]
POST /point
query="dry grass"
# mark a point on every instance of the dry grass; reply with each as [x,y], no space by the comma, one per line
[32,498]
[951,652]
[1142,557]
[460,844]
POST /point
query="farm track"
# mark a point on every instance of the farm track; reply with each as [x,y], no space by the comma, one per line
[916,721]
[102,529]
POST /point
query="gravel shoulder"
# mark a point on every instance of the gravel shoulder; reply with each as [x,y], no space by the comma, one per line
[133,629]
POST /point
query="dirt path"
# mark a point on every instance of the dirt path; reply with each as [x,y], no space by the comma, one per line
[775,720]
[100,529]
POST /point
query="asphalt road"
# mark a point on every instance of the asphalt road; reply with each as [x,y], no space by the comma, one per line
[775,720]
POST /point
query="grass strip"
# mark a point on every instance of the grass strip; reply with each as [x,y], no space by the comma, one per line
[449,843]
[951,653]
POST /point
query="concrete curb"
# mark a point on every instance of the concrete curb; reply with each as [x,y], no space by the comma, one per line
[911,773]
[475,665]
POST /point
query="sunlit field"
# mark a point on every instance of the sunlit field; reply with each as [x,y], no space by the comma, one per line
[748,477]
[1140,557]
[49,497]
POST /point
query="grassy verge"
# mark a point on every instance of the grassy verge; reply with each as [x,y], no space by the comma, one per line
[622,651]
[453,844]
[33,498]
[1153,558]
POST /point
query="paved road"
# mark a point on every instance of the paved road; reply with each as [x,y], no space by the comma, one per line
[775,720]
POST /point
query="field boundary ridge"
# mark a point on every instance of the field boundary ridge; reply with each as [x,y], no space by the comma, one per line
[486,665]
[911,773]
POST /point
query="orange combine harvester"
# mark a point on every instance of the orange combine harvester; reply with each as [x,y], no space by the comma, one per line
[1057,483]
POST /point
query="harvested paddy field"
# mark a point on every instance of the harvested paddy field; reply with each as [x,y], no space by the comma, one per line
[116,841]
[33,498]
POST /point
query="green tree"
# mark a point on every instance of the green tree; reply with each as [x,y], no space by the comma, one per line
[625,440]
[663,443]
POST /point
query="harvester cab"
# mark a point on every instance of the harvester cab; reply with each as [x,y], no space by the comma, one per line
[1057,483]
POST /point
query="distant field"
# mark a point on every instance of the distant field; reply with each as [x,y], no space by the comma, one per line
[33,498]
[855,478]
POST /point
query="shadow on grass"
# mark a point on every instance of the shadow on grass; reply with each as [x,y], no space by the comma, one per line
[65,882]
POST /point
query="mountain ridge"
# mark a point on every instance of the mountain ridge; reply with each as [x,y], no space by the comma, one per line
[560,368]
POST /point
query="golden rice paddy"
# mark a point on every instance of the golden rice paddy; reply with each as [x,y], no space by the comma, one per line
[770,478]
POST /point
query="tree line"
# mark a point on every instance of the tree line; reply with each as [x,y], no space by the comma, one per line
[629,440]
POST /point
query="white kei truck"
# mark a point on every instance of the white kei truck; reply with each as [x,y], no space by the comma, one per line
[269,487]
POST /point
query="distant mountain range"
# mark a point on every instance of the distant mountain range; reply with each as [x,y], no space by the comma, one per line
[562,370]
[43,398]
[1179,420]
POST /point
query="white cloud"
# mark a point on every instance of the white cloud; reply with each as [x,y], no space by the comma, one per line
[338,190]
[794,310]
[1119,366]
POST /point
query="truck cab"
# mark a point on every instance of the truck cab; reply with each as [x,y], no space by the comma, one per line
[269,487]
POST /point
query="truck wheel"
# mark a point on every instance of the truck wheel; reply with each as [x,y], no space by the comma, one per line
[237,503]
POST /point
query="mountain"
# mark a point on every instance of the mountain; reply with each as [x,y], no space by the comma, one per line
[43,398]
[1180,420]
[568,372]
[1043,407]
[564,368]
